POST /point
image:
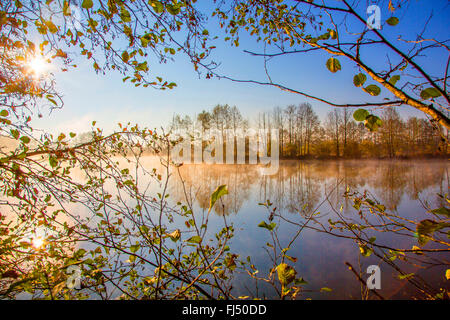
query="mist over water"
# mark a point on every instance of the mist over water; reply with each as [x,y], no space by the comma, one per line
[300,188]
[297,190]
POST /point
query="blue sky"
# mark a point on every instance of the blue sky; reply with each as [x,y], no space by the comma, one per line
[106,99]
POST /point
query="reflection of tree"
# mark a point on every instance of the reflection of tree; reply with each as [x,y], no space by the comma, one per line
[201,180]
[298,186]
[294,188]
[389,180]
[392,179]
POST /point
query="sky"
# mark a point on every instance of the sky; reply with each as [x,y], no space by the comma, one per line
[107,100]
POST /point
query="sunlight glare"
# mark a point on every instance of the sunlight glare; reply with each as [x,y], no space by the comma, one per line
[37,242]
[38,65]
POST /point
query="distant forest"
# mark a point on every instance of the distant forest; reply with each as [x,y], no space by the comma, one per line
[303,135]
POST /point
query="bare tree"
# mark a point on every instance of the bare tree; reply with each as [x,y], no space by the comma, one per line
[333,124]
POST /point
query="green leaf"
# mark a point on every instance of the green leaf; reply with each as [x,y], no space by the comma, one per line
[286,274]
[144,229]
[430,93]
[125,56]
[125,15]
[361,114]
[442,211]
[25,139]
[393,80]
[4,113]
[422,239]
[53,162]
[325,289]
[173,9]
[217,194]
[392,21]
[373,90]
[145,40]
[142,66]
[157,6]
[61,137]
[372,123]
[134,248]
[195,239]
[428,226]
[269,227]
[87,4]
[359,79]
[128,31]
[51,26]
[80,253]
[333,65]
[15,133]
[21,156]
[365,250]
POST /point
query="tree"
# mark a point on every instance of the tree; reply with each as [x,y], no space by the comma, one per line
[340,29]
[391,130]
[236,120]
[278,122]
[290,111]
[346,123]
[205,120]
[311,124]
[52,220]
[184,124]
[220,118]
[333,125]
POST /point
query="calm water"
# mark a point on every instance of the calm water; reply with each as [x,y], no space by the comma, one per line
[300,188]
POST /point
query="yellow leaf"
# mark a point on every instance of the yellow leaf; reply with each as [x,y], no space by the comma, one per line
[286,274]
[175,235]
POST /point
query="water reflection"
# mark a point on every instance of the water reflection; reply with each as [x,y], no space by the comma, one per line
[300,188]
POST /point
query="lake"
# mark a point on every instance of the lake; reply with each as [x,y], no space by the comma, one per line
[303,187]
[298,190]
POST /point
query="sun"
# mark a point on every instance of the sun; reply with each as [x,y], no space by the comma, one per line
[38,65]
[37,242]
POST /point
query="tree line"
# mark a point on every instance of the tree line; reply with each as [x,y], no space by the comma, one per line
[303,135]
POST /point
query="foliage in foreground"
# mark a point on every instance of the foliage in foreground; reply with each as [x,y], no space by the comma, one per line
[82,211]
